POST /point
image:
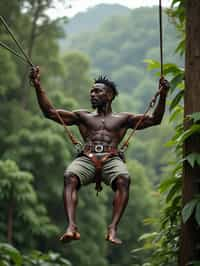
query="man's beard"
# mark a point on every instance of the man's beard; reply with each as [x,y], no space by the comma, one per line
[98,104]
[94,105]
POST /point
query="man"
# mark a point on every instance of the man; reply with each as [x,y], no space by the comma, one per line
[102,131]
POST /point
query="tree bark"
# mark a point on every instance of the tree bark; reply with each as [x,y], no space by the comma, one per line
[10,220]
[31,42]
[190,236]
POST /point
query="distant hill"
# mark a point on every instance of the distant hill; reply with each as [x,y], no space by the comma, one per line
[91,19]
[119,46]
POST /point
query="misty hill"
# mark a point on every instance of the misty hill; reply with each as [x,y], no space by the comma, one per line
[91,19]
[119,46]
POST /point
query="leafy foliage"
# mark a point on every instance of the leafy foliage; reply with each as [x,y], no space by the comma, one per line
[20,200]
[11,256]
[164,243]
[34,151]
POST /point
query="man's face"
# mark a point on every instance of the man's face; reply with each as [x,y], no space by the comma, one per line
[98,95]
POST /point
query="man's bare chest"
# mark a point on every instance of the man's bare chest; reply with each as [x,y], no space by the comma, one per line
[109,123]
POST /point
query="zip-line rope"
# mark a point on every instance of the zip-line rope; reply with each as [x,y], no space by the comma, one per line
[26,59]
[16,41]
[124,146]
[77,143]
[161,37]
[13,51]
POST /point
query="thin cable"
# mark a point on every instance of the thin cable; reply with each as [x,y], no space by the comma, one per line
[153,101]
[16,41]
[69,133]
[161,37]
[150,106]
[13,52]
[28,60]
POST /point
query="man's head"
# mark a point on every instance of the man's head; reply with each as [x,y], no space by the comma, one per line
[103,91]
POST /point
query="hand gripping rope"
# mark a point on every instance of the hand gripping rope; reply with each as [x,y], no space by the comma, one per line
[24,57]
[152,103]
[78,144]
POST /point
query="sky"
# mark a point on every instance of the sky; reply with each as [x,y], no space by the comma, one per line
[72,7]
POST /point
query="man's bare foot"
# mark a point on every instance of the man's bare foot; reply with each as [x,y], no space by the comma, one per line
[71,234]
[111,236]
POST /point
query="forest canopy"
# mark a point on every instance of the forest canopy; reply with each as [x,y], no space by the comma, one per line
[34,151]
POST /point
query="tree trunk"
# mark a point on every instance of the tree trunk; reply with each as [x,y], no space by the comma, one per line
[31,42]
[10,220]
[190,237]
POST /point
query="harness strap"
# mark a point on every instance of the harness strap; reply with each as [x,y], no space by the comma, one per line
[68,132]
[98,162]
[150,106]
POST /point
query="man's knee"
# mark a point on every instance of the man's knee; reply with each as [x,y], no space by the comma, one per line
[121,182]
[71,179]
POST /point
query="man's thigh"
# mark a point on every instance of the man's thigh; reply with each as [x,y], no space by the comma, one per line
[113,168]
[83,168]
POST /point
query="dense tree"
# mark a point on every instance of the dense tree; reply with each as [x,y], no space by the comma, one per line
[39,146]
[123,43]
[20,205]
[190,231]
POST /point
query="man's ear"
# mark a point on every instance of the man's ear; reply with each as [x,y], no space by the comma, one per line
[110,95]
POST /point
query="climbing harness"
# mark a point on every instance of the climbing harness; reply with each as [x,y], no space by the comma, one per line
[97,160]
[99,154]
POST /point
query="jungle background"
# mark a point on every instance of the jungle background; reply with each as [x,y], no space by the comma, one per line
[107,39]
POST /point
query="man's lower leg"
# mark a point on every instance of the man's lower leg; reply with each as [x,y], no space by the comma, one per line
[119,204]
[70,198]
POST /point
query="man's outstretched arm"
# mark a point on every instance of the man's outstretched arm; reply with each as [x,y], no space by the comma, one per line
[157,115]
[46,106]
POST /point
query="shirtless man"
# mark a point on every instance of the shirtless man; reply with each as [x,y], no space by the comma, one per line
[102,131]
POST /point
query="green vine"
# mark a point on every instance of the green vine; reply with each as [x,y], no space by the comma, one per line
[164,243]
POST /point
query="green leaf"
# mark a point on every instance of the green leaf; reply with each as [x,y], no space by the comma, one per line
[186,134]
[178,110]
[148,236]
[176,100]
[174,2]
[195,117]
[152,64]
[166,184]
[194,263]
[65,262]
[12,252]
[197,213]
[192,158]
[181,47]
[174,189]
[188,210]
[171,68]
[176,81]
[4,263]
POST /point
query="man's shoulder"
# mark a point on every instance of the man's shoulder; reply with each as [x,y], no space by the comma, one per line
[82,113]
[124,114]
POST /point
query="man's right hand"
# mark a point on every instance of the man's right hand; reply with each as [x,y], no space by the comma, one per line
[35,76]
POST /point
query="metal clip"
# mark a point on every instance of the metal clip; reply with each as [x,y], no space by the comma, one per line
[78,148]
[98,148]
[123,149]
